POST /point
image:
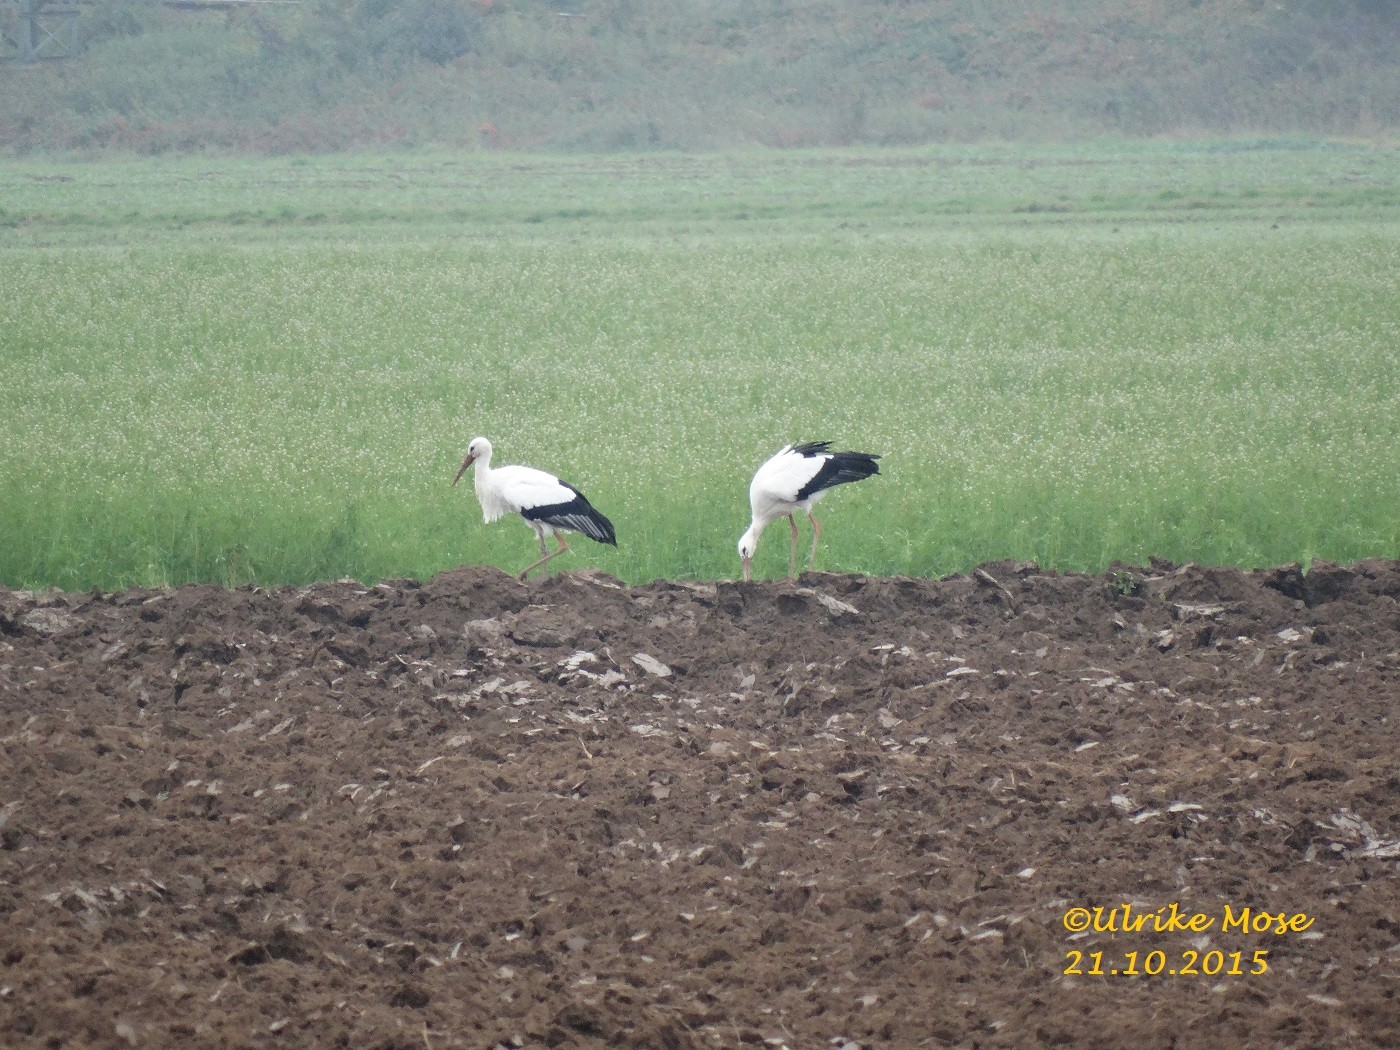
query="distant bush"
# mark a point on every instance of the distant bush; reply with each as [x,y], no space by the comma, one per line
[434,30]
[117,18]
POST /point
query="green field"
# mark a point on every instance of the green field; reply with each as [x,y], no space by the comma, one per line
[269,370]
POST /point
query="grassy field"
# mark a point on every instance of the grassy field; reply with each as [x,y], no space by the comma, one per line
[269,370]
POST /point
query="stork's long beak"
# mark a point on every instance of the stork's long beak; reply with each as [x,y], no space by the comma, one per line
[747,574]
[463,469]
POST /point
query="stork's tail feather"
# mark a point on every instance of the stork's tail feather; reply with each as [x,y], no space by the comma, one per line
[594,525]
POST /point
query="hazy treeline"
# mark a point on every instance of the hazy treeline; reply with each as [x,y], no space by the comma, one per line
[702,74]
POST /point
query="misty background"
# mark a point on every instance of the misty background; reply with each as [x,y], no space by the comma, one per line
[623,75]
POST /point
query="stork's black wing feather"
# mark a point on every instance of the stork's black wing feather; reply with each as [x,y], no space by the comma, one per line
[577,515]
[840,468]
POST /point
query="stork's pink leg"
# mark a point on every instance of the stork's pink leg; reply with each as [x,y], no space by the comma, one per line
[816,538]
[792,553]
[545,551]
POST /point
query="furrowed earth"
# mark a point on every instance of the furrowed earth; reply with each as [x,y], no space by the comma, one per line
[846,812]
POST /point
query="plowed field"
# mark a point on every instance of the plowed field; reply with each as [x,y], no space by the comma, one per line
[847,811]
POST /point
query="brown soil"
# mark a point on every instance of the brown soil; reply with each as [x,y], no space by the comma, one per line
[855,811]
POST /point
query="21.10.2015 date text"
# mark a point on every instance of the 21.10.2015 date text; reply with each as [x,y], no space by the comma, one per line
[1189,963]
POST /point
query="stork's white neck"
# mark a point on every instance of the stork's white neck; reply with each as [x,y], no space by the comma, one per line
[764,516]
[481,467]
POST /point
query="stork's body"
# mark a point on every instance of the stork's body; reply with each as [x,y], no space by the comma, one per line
[793,480]
[550,506]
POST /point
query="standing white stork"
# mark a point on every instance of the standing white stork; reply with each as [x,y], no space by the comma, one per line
[793,480]
[550,506]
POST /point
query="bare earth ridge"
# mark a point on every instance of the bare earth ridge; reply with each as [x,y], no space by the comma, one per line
[847,812]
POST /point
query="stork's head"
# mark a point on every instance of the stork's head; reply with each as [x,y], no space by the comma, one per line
[747,542]
[480,448]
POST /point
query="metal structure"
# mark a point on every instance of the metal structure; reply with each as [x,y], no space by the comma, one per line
[34,30]
[38,29]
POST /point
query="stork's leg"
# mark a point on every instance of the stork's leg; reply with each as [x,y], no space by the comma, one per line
[544,549]
[816,538]
[792,553]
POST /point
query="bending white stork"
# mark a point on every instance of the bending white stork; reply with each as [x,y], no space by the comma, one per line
[550,506]
[793,480]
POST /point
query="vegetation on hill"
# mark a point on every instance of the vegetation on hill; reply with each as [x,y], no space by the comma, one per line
[702,74]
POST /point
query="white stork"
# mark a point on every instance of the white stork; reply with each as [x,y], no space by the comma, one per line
[793,480]
[550,506]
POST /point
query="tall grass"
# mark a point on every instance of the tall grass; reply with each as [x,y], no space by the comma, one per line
[289,401]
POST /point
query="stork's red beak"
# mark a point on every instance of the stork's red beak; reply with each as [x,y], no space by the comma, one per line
[463,469]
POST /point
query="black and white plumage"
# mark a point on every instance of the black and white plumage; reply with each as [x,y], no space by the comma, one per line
[793,480]
[550,506]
